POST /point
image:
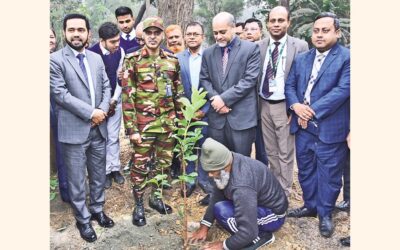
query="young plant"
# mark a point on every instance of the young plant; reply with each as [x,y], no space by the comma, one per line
[53,188]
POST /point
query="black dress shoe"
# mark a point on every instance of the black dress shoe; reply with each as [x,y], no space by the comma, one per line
[102,219]
[189,189]
[345,241]
[343,206]
[205,201]
[160,206]
[118,178]
[326,226]
[108,181]
[301,212]
[86,231]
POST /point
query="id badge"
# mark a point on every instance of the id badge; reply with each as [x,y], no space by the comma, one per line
[168,90]
[272,85]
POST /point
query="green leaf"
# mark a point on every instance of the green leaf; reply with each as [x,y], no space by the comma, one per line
[198,123]
[191,158]
[52,195]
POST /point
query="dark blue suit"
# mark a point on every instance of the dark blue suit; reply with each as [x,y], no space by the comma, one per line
[183,58]
[321,150]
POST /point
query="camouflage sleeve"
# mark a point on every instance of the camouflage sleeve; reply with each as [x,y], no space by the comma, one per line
[128,84]
[179,92]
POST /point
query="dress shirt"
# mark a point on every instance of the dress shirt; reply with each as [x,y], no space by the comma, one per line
[132,35]
[194,67]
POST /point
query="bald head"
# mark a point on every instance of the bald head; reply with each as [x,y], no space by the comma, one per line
[224,17]
[279,9]
[278,22]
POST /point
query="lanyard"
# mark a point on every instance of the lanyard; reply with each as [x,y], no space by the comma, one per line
[275,66]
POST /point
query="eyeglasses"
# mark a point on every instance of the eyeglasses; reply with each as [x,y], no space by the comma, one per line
[193,34]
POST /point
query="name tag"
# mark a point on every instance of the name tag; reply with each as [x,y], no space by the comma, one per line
[272,85]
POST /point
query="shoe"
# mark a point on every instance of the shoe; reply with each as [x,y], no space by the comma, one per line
[118,178]
[301,212]
[264,239]
[138,218]
[108,181]
[160,206]
[102,219]
[189,189]
[343,206]
[86,231]
[345,241]
[326,226]
[205,201]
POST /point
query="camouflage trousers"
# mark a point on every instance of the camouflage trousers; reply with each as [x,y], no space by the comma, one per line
[150,156]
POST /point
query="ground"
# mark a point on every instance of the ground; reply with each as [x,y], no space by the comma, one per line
[164,231]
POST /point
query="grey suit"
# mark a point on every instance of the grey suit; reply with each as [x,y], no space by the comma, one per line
[82,145]
[236,130]
[279,143]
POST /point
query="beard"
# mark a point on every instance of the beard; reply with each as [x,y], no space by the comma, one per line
[77,47]
[223,180]
[176,48]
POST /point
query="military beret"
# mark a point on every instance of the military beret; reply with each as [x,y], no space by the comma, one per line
[214,155]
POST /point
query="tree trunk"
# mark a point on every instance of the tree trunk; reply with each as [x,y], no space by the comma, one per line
[284,3]
[178,12]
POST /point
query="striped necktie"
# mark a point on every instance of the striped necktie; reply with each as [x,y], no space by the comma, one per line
[269,73]
[224,60]
[316,67]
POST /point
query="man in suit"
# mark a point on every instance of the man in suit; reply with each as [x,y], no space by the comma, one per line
[279,143]
[112,55]
[229,73]
[125,22]
[318,93]
[190,63]
[81,90]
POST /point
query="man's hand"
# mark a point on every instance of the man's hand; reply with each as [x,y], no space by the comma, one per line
[217,103]
[224,110]
[199,235]
[302,123]
[111,110]
[135,138]
[216,245]
[305,112]
[98,117]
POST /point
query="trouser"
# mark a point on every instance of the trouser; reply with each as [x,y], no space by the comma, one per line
[320,171]
[90,155]
[238,141]
[113,162]
[267,220]
[346,179]
[279,143]
[261,154]
[61,168]
[151,156]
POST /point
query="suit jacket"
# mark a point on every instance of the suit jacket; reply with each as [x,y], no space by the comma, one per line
[71,92]
[330,96]
[236,88]
[183,58]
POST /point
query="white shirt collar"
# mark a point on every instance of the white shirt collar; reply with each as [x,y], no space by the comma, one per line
[282,40]
[104,51]
[76,52]
[324,53]
[132,34]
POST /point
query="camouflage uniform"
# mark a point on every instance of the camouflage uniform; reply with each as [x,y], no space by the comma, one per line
[151,88]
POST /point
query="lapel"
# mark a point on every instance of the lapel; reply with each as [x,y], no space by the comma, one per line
[186,70]
[290,53]
[92,63]
[75,65]
[328,60]
[218,62]
[263,51]
[231,58]
[308,65]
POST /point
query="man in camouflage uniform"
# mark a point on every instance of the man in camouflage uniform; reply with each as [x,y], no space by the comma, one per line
[151,87]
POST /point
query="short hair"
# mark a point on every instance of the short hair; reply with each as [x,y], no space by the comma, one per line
[108,30]
[52,30]
[240,24]
[75,16]
[195,24]
[287,11]
[336,21]
[122,11]
[173,27]
[254,20]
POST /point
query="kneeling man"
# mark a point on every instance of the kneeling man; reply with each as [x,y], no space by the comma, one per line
[247,200]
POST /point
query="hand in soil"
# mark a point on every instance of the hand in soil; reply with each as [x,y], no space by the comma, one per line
[199,235]
[217,245]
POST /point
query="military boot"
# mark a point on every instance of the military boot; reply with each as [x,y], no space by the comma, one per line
[157,204]
[138,218]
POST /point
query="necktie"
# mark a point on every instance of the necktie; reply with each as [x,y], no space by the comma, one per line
[82,65]
[269,73]
[316,67]
[224,60]
[127,37]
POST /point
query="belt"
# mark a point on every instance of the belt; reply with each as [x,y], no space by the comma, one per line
[274,101]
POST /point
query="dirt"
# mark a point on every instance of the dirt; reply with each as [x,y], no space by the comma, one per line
[164,231]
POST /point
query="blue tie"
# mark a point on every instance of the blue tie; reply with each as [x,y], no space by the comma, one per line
[127,37]
[82,65]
